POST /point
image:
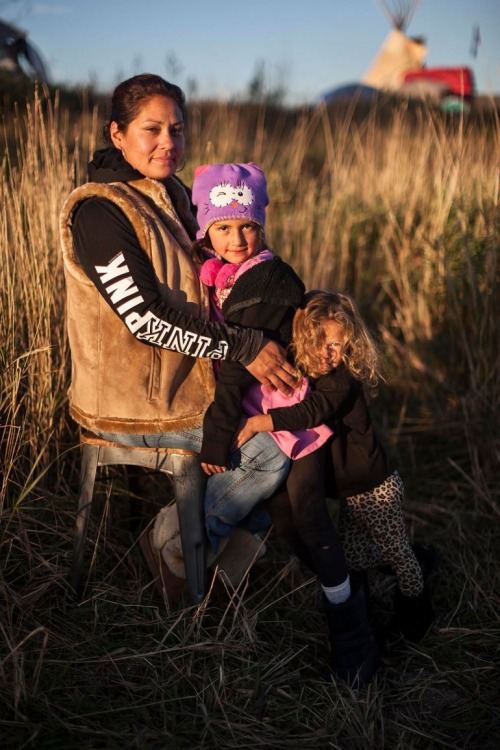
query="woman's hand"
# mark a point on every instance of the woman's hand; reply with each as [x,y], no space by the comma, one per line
[210,469]
[270,367]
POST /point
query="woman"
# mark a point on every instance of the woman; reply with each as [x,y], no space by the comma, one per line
[137,313]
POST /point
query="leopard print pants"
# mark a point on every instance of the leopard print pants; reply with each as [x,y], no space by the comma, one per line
[373,532]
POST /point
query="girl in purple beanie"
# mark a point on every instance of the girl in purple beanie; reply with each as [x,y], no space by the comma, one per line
[252,287]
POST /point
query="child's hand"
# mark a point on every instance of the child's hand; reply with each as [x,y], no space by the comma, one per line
[246,430]
[212,469]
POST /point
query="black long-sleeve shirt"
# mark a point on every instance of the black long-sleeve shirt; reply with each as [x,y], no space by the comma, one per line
[338,400]
[103,235]
[265,297]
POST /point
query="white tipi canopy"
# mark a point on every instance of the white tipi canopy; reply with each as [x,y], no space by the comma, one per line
[399,52]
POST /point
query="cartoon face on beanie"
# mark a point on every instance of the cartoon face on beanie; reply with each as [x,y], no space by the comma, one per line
[229,191]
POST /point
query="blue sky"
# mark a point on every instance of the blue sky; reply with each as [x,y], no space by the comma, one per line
[308,46]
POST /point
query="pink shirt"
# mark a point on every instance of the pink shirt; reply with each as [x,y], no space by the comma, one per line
[260,399]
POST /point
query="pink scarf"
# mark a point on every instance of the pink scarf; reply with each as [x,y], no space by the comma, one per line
[220,276]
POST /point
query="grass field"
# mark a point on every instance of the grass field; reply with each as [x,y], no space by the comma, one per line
[403,212]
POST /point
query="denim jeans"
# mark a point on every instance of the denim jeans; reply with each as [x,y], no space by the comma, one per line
[253,473]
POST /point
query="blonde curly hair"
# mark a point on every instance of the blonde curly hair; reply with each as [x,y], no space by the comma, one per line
[360,353]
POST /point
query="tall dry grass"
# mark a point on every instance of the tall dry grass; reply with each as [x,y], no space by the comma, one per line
[36,175]
[403,213]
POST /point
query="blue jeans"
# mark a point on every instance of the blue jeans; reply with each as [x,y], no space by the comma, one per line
[253,473]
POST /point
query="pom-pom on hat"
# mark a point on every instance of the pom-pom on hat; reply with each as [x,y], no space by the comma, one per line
[229,191]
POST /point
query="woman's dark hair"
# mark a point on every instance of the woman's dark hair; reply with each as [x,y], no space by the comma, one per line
[129,95]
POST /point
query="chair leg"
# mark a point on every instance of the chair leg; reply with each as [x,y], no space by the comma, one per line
[137,488]
[189,487]
[89,463]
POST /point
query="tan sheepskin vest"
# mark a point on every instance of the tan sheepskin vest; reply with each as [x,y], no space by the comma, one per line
[118,383]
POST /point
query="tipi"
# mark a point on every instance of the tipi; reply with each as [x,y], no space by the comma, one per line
[399,53]
[399,68]
[400,64]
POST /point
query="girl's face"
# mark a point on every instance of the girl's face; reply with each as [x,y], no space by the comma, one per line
[235,240]
[153,142]
[330,353]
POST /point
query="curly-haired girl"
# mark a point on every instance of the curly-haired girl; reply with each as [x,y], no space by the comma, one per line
[333,347]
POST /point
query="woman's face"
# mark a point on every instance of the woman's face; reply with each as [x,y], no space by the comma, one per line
[153,142]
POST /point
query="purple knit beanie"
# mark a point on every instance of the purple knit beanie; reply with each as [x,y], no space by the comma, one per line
[229,191]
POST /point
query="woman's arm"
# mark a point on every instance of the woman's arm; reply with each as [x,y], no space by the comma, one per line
[107,248]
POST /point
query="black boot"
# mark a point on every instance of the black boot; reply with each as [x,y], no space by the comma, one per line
[428,558]
[354,652]
[359,579]
[413,615]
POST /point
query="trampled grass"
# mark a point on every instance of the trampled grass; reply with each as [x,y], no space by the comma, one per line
[402,213]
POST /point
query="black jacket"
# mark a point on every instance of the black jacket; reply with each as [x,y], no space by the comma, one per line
[264,297]
[359,461]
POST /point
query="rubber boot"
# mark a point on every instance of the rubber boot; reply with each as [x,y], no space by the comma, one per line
[359,579]
[428,558]
[355,655]
[414,614]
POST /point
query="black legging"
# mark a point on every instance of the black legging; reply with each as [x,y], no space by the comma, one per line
[301,517]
